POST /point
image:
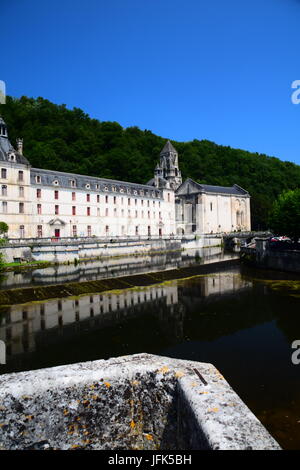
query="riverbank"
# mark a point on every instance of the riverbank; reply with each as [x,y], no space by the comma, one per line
[41,293]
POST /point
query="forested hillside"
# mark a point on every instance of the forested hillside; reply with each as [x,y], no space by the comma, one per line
[69,140]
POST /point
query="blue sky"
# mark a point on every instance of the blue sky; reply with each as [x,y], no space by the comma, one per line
[214,69]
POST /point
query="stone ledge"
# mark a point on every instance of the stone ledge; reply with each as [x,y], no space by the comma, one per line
[131,402]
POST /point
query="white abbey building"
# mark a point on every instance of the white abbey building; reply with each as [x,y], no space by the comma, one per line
[37,203]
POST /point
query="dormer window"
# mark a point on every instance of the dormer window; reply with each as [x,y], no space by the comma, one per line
[38,179]
[97,186]
[88,186]
[12,157]
[55,182]
[105,188]
[73,183]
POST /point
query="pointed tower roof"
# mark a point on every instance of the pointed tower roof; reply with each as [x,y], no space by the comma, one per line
[168,148]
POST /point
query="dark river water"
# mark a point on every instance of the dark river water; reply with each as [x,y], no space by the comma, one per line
[241,320]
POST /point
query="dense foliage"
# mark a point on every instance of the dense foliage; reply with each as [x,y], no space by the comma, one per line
[69,140]
[3,228]
[285,215]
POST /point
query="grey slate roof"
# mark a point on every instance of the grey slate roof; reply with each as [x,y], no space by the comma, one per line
[206,188]
[168,148]
[162,182]
[48,177]
[6,148]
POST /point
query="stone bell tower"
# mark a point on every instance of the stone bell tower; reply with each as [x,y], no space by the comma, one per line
[168,167]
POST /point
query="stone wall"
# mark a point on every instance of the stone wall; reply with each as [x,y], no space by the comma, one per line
[131,402]
[67,251]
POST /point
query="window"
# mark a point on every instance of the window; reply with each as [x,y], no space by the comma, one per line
[56,210]
[73,196]
[98,212]
[106,229]
[20,175]
[88,211]
[55,194]
[122,212]
[115,212]
[21,191]
[73,210]
[22,231]
[38,193]
[73,184]
[129,215]
[39,231]
[168,197]
[88,198]
[115,199]
[137,230]
[38,179]
[3,173]
[89,231]
[136,213]
[98,198]
[39,209]
[159,214]
[106,199]
[21,207]
[129,201]
[4,207]
[211,206]
[135,201]
[153,203]
[148,214]
[106,212]
[142,202]
[74,230]
[148,203]
[4,190]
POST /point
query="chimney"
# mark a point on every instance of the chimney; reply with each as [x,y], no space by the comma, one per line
[20,146]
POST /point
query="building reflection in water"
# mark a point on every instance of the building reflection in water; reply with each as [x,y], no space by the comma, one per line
[100,269]
[25,328]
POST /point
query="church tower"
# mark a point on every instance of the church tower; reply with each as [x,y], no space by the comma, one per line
[168,167]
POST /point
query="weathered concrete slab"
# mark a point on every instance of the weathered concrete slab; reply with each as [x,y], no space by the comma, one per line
[131,402]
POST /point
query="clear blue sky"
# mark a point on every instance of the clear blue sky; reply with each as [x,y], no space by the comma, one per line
[205,69]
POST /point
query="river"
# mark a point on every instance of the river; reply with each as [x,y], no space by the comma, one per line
[241,320]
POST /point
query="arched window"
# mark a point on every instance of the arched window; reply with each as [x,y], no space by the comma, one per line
[4,190]
[242,218]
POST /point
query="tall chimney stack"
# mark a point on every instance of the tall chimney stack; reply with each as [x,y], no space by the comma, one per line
[20,146]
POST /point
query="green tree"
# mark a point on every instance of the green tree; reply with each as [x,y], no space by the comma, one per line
[3,228]
[285,216]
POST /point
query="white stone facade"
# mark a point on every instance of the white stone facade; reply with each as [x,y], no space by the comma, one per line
[37,203]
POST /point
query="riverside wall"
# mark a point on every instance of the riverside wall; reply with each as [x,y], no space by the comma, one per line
[64,250]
